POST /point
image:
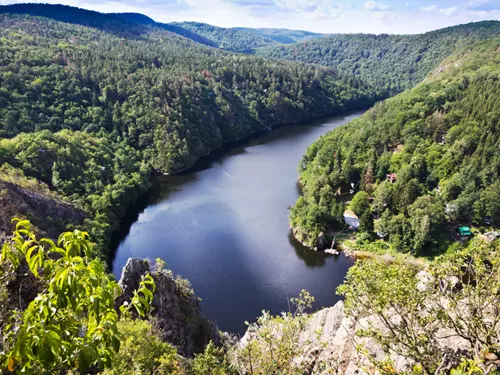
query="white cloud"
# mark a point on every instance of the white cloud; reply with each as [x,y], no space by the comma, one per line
[312,9]
[445,11]
[296,4]
[475,3]
[430,8]
[449,11]
[374,6]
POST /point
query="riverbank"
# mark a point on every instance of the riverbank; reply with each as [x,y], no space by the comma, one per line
[345,244]
[385,257]
[224,226]
[201,163]
[203,160]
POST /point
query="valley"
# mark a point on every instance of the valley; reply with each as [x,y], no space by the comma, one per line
[207,168]
[224,227]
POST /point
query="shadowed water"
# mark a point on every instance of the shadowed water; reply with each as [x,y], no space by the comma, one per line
[224,226]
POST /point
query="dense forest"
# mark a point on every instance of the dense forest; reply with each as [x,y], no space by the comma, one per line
[144,96]
[237,39]
[91,111]
[130,25]
[243,39]
[285,36]
[391,62]
[92,104]
[232,39]
[422,162]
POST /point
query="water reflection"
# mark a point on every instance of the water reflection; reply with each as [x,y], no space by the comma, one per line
[311,258]
[224,226]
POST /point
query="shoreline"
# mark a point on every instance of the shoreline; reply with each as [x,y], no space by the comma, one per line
[201,163]
[226,147]
[359,254]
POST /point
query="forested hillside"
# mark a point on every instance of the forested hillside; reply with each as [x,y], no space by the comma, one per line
[232,39]
[441,142]
[91,105]
[286,36]
[90,111]
[128,25]
[392,62]
[244,39]
[237,39]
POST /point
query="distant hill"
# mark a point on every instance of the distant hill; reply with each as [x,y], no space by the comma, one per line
[136,25]
[119,24]
[145,20]
[238,40]
[110,23]
[392,62]
[244,39]
[286,36]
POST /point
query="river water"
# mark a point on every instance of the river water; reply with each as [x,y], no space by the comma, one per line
[224,226]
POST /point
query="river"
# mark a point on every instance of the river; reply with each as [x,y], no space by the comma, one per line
[224,226]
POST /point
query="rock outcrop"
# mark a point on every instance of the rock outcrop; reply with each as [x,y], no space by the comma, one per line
[330,338]
[47,212]
[176,310]
[319,243]
[328,344]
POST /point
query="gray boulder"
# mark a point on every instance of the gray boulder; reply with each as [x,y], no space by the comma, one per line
[176,310]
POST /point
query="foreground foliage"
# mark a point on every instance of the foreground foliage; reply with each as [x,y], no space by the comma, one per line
[142,352]
[415,312]
[272,343]
[423,313]
[72,322]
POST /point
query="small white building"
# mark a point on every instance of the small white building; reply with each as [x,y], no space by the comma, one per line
[351,219]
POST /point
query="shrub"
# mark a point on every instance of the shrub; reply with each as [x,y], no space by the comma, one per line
[142,352]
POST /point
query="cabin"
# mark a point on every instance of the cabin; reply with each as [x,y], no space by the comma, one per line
[351,219]
[492,236]
[391,177]
[464,232]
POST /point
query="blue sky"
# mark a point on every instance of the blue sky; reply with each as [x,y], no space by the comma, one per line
[326,16]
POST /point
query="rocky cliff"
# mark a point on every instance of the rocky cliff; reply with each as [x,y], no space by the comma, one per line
[23,198]
[328,343]
[176,310]
[330,337]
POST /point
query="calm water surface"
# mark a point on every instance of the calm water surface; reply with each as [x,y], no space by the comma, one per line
[224,226]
